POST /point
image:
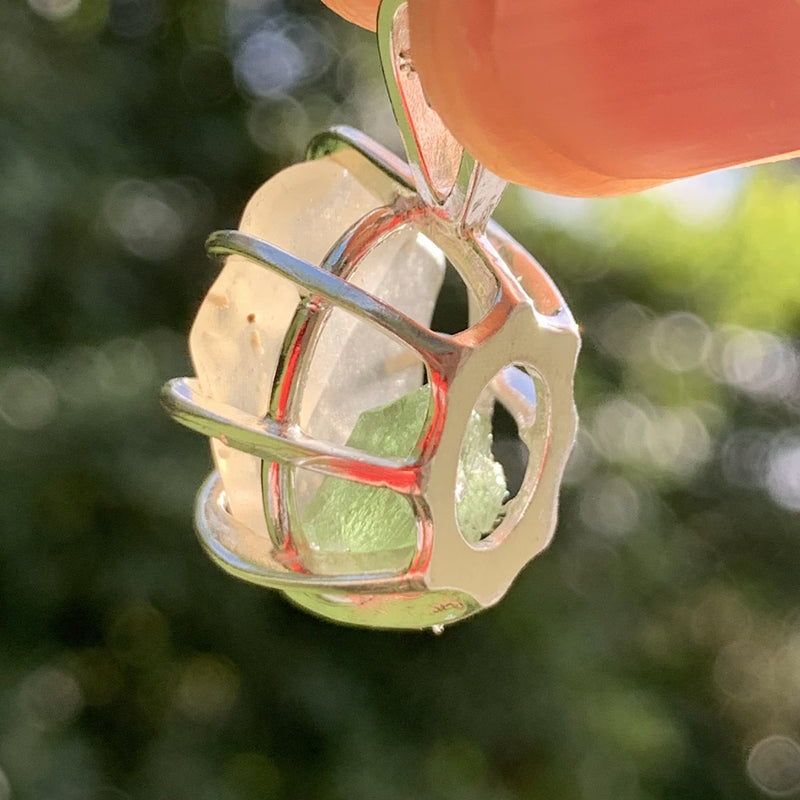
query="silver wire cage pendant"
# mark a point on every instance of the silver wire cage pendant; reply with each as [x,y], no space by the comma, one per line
[349,492]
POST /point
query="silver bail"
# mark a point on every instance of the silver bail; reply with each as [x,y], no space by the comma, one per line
[445,175]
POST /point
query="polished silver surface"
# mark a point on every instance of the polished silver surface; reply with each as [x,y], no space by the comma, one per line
[446,177]
[276,441]
[430,345]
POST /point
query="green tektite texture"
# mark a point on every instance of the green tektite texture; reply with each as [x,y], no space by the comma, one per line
[346,517]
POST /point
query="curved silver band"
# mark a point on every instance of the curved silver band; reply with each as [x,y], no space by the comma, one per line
[444,174]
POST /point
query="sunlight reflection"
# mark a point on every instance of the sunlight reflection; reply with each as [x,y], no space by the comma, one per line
[54,10]
[702,200]
[50,697]
[28,400]
[760,364]
[679,341]
[782,478]
[670,439]
[610,505]
[145,221]
[622,331]
[207,687]
[283,53]
[774,765]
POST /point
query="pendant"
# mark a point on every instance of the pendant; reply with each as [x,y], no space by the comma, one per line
[352,442]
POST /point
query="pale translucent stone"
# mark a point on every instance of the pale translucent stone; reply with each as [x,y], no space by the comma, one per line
[236,339]
[362,387]
[356,367]
[407,273]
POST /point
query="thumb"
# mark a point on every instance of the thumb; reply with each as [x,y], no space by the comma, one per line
[585,98]
[362,12]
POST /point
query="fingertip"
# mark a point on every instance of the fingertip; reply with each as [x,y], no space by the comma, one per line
[591,99]
[360,12]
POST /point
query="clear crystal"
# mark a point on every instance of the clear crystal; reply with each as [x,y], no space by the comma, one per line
[237,337]
[362,388]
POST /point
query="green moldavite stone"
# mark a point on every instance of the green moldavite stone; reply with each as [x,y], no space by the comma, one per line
[346,517]
[481,482]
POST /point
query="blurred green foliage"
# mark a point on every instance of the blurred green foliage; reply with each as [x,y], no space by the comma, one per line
[652,653]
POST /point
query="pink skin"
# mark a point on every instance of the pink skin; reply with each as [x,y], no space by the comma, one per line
[603,97]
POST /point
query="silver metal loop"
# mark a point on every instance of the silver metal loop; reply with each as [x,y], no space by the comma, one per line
[445,175]
[300,343]
[241,552]
[269,440]
[519,350]
[433,348]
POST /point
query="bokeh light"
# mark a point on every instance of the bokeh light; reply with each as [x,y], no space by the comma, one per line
[50,698]
[774,766]
[653,651]
[5,786]
[55,9]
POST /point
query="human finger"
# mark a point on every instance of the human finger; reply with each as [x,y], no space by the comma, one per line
[362,12]
[584,98]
